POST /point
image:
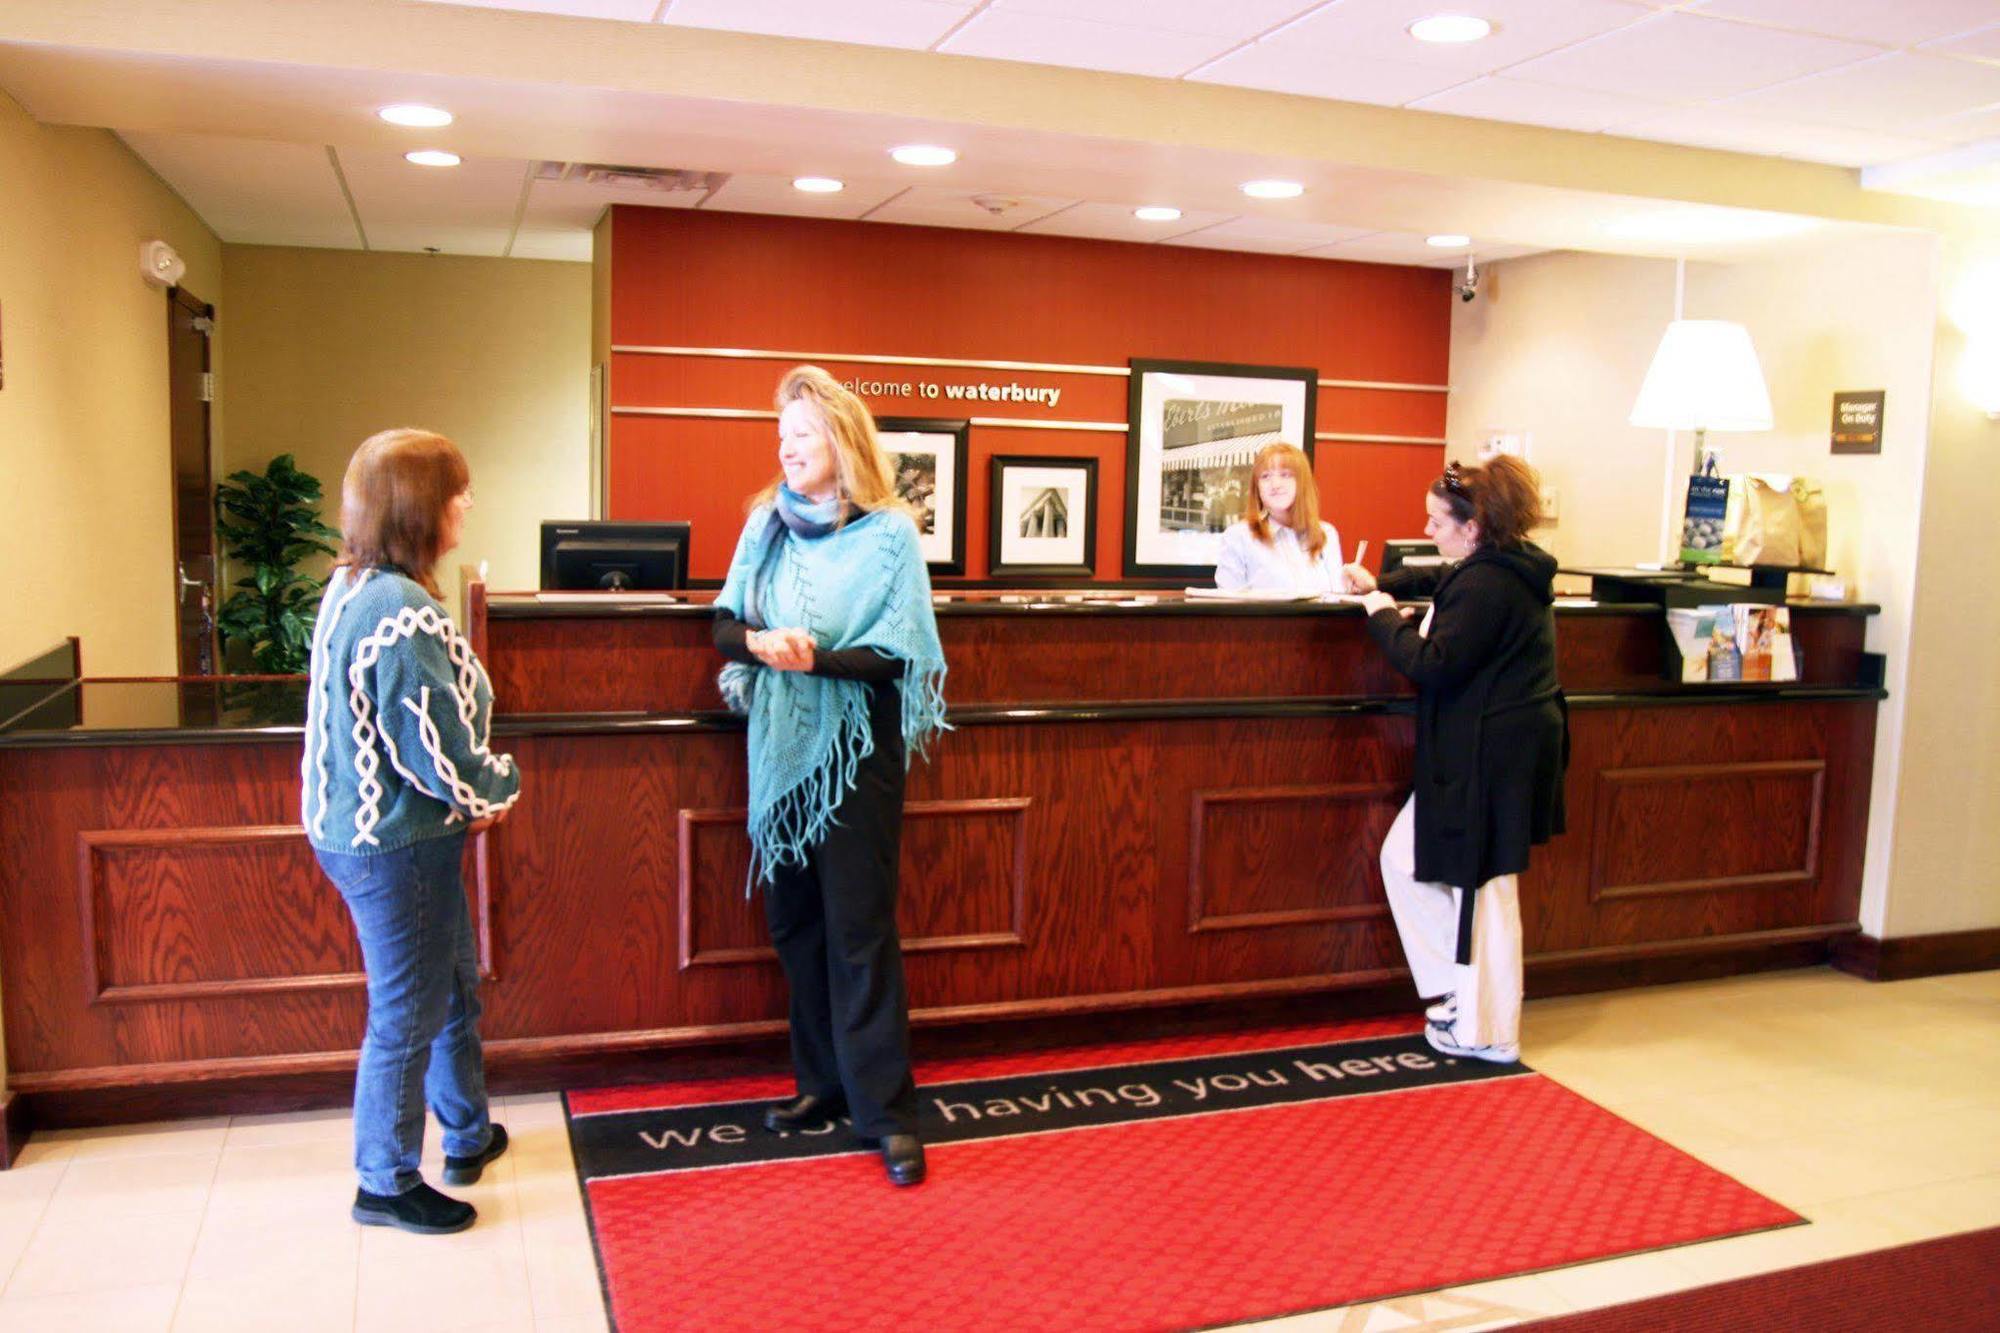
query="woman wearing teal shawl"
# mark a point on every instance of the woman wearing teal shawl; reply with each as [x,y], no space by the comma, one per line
[834,661]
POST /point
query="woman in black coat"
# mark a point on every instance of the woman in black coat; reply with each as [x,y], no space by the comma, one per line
[1492,744]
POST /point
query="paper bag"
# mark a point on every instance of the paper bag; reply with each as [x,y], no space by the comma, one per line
[1811,500]
[1767,523]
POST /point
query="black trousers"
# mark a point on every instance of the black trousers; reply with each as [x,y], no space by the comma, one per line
[833,921]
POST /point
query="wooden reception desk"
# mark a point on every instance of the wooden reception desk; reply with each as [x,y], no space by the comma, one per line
[1141,805]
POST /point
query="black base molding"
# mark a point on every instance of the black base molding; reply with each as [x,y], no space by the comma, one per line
[1903,957]
[14,1128]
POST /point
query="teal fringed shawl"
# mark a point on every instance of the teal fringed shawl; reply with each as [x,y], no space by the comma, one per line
[861,585]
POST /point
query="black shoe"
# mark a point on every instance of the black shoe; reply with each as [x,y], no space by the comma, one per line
[465,1170]
[422,1210]
[903,1155]
[806,1111]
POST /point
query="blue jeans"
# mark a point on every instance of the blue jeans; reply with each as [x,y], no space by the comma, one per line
[422,1043]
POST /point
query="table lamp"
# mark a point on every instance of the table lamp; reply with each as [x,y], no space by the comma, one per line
[1704,377]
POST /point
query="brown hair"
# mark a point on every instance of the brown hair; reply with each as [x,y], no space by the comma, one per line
[1503,495]
[866,479]
[1305,497]
[393,500]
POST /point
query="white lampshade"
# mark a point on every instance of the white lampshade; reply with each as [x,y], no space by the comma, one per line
[1704,377]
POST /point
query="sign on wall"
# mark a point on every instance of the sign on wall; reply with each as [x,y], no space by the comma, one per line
[1857,422]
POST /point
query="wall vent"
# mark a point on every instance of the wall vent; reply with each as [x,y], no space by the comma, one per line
[652,180]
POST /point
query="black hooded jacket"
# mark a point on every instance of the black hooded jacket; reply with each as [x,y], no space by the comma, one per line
[1492,726]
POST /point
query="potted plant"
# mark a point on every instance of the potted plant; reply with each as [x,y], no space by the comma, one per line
[270,522]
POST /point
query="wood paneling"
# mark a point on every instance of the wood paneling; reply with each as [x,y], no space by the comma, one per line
[161,910]
[1282,856]
[1706,828]
[1050,869]
[667,663]
[963,882]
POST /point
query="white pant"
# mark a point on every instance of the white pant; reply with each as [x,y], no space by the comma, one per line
[1488,988]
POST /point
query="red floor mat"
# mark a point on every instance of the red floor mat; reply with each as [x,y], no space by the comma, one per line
[1199,1218]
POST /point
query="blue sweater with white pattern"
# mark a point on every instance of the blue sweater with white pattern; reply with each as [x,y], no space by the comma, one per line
[398,717]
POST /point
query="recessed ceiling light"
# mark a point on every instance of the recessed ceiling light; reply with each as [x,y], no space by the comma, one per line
[416,115]
[432,157]
[1448,241]
[1156,213]
[1273,189]
[1450,29]
[923,155]
[818,185]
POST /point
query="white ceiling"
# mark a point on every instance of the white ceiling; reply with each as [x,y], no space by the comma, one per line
[290,154]
[1791,78]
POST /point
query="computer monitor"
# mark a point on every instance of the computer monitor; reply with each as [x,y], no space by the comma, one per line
[1410,554]
[614,557]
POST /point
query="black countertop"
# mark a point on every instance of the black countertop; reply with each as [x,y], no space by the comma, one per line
[166,712]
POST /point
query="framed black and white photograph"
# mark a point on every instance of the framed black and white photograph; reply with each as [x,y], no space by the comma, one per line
[1044,518]
[928,458]
[1192,429]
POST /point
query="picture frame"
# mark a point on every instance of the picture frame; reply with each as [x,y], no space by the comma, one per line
[928,456]
[1191,430]
[1043,517]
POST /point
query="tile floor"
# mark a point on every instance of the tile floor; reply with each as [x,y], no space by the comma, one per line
[1868,1108]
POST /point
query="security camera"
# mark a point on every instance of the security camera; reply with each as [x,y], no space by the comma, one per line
[1468,290]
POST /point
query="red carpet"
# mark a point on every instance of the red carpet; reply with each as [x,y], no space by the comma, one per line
[1156,1185]
[1949,1284]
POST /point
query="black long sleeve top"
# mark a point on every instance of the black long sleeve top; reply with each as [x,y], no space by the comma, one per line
[863,664]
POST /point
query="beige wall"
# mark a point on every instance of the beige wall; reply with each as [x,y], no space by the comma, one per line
[330,346]
[1946,873]
[86,532]
[87,540]
[1560,351]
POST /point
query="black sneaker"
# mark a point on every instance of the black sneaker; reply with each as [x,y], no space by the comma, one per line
[465,1170]
[422,1210]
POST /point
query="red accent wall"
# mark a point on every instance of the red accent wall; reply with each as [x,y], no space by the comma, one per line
[687,278]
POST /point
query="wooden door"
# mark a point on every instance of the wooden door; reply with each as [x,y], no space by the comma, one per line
[190,389]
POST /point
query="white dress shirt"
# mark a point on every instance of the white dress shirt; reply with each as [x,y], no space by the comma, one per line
[1281,565]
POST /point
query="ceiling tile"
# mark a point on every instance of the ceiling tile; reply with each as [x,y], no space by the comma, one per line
[1278,236]
[1084,44]
[466,209]
[253,191]
[538,242]
[1370,30]
[938,206]
[1498,97]
[1981,45]
[1114,222]
[637,11]
[1895,93]
[1275,66]
[1729,127]
[1889,22]
[915,24]
[1679,58]
[1409,248]
[1239,20]
[1967,127]
[774,194]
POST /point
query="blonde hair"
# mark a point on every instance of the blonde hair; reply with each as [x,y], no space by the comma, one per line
[393,500]
[1305,497]
[861,466]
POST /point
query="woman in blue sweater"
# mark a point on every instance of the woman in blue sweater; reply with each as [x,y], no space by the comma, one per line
[397,770]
